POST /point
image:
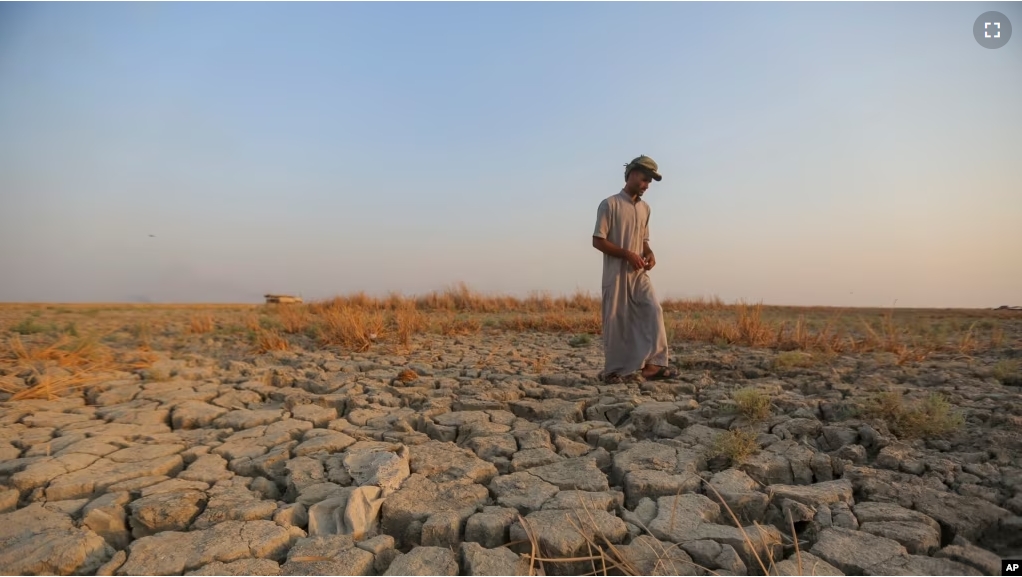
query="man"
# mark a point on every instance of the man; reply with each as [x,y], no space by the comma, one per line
[634,336]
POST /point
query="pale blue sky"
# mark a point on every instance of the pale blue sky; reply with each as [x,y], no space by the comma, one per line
[809,150]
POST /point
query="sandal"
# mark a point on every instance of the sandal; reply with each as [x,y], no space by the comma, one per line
[662,374]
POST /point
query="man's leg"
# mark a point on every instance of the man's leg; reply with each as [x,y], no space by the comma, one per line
[624,342]
[656,365]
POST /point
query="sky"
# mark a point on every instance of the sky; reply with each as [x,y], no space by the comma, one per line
[843,154]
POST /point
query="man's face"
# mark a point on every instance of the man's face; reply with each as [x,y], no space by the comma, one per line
[638,181]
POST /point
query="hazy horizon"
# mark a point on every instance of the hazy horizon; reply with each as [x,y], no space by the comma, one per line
[818,154]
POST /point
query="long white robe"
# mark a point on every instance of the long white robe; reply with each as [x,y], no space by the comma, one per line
[633,320]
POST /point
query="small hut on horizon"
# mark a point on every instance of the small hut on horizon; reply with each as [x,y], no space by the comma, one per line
[282,299]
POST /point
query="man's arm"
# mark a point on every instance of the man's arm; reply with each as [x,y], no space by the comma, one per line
[647,253]
[607,247]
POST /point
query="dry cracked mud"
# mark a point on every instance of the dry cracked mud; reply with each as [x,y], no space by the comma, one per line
[460,458]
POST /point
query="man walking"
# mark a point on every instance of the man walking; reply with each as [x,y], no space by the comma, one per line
[634,336]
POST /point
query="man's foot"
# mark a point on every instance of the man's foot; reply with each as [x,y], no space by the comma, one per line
[656,373]
[616,379]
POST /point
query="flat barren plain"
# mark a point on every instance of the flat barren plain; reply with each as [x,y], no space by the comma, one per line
[456,433]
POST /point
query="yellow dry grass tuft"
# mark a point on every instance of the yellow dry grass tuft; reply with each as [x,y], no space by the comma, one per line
[47,370]
[408,321]
[143,332]
[458,310]
[201,324]
[270,340]
[351,327]
[64,352]
[452,325]
[294,318]
[251,322]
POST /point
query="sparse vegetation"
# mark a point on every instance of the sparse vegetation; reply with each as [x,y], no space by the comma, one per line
[929,417]
[83,360]
[735,445]
[452,325]
[1008,372]
[267,341]
[251,322]
[904,336]
[582,340]
[143,332]
[201,324]
[28,327]
[334,335]
[408,321]
[793,359]
[752,403]
[351,327]
[294,318]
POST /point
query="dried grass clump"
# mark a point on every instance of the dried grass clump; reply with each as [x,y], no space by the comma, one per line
[350,327]
[1008,372]
[735,445]
[408,321]
[752,403]
[294,318]
[29,369]
[929,417]
[201,324]
[270,340]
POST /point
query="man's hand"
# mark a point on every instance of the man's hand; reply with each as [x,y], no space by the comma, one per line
[650,261]
[635,259]
[609,248]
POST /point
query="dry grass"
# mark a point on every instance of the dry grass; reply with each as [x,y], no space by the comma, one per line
[588,323]
[201,324]
[270,340]
[793,359]
[914,338]
[46,370]
[451,325]
[251,322]
[408,321]
[294,318]
[752,404]
[30,326]
[583,340]
[926,418]
[605,558]
[1008,372]
[143,332]
[353,328]
[735,445]
[350,322]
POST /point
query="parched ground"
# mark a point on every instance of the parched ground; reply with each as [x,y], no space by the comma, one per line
[183,440]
